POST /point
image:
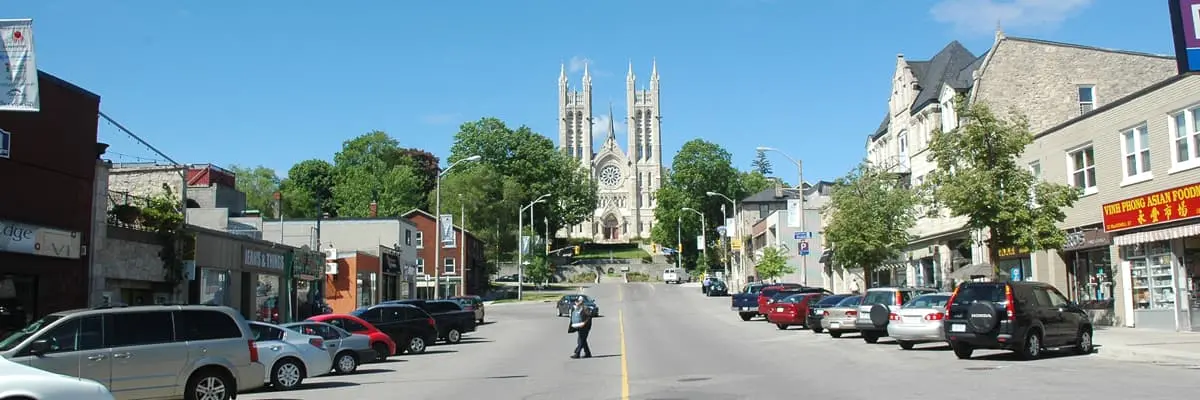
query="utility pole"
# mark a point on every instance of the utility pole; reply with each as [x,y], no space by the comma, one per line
[462,245]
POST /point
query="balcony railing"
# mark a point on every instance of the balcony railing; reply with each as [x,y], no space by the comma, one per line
[125,210]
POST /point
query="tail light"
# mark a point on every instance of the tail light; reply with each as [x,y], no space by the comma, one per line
[253,351]
[899,298]
[950,303]
[432,322]
[852,313]
[935,316]
[1008,303]
[893,317]
[317,342]
[824,313]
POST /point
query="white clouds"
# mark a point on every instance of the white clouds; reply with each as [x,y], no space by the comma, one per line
[576,64]
[441,119]
[982,16]
[600,127]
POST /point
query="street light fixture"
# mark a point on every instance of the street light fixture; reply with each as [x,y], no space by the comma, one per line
[520,251]
[800,186]
[437,248]
[703,231]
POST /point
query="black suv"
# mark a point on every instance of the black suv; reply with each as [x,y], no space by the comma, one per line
[1025,317]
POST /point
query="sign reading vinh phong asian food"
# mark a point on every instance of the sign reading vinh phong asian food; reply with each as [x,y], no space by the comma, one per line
[1181,203]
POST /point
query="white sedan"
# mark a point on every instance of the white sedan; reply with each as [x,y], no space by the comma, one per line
[19,381]
[288,355]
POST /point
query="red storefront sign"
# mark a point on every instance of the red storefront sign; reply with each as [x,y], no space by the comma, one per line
[1181,203]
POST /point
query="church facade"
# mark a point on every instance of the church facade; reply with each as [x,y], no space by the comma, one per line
[626,179]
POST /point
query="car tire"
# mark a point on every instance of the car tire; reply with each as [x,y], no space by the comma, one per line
[453,336]
[962,350]
[782,327]
[1031,347]
[287,374]
[746,316]
[416,345]
[906,345]
[870,337]
[817,329]
[381,351]
[835,334]
[209,380]
[1083,342]
[345,362]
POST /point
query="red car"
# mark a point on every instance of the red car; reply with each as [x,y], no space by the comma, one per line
[383,344]
[764,295]
[792,310]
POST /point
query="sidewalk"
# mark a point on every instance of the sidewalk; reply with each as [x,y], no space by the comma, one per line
[1146,345]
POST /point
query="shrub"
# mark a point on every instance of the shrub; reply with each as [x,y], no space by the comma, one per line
[584,277]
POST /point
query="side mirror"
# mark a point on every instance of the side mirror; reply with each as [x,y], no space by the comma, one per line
[39,347]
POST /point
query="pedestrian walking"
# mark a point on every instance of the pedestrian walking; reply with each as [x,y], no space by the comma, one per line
[581,325]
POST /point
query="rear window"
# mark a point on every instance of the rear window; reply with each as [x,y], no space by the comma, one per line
[205,325]
[885,297]
[850,301]
[928,301]
[831,300]
[968,294]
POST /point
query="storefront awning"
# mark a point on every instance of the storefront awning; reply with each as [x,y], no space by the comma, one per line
[1177,232]
[892,266]
[972,271]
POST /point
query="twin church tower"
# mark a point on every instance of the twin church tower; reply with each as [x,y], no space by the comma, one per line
[626,181]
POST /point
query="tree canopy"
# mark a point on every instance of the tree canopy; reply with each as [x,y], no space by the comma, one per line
[869,214]
[773,264]
[307,188]
[978,176]
[369,167]
[259,184]
[699,167]
[761,164]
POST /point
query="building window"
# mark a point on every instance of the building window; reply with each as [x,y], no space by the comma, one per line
[420,238]
[1087,98]
[1082,164]
[1135,145]
[1035,169]
[420,265]
[408,237]
[1185,137]
[449,264]
[903,147]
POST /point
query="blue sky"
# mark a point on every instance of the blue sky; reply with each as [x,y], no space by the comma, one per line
[277,82]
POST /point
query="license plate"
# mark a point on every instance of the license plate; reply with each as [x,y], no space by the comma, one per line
[911,320]
[747,308]
[778,309]
[835,325]
[958,328]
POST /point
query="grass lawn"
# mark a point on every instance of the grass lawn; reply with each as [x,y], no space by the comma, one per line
[618,251]
[535,297]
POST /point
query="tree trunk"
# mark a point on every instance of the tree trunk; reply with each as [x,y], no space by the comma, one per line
[993,252]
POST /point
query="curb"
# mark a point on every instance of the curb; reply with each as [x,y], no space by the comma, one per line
[1155,356]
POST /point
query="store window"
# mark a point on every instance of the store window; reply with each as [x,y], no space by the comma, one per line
[367,289]
[1018,269]
[266,296]
[215,287]
[1150,267]
[18,296]
[1094,273]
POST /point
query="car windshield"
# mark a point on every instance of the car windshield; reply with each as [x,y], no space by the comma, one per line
[928,301]
[359,312]
[850,301]
[831,301]
[795,298]
[17,337]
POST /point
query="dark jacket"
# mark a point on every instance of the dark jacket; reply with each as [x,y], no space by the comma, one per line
[582,315]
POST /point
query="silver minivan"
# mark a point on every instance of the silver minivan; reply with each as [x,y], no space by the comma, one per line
[145,352]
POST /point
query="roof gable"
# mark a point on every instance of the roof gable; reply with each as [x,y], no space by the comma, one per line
[945,67]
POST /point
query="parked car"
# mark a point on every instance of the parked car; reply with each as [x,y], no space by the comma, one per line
[816,311]
[145,352]
[770,292]
[383,344]
[347,350]
[717,288]
[1024,317]
[451,319]
[472,303]
[410,327]
[791,310]
[919,320]
[567,301]
[25,382]
[840,318]
[745,302]
[877,306]
[289,356]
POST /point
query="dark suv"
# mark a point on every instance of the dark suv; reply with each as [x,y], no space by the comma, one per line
[1025,317]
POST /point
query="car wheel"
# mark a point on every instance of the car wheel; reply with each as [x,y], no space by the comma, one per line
[381,351]
[345,362]
[817,329]
[208,385]
[746,316]
[905,344]
[416,345]
[782,327]
[870,337]
[453,336]
[835,334]
[962,350]
[1083,342]
[287,374]
[1031,347]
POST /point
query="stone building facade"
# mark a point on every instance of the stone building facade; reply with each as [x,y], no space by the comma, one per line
[626,180]
[1048,82]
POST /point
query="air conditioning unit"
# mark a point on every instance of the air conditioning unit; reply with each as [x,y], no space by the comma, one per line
[331,268]
[330,254]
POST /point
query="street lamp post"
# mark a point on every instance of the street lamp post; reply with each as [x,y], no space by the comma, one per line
[520,251]
[803,223]
[437,248]
[678,241]
[703,231]
[739,231]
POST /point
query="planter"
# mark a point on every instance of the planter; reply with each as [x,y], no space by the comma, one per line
[127,214]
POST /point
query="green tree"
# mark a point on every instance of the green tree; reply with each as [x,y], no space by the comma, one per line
[307,188]
[753,182]
[426,167]
[259,184]
[490,203]
[368,168]
[699,167]
[761,164]
[870,212]
[978,176]
[772,264]
[539,269]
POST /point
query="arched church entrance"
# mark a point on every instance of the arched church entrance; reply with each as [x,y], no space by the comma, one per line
[612,228]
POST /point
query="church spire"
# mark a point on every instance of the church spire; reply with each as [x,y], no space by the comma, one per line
[612,131]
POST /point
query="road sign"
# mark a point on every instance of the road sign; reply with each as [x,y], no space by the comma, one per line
[802,235]
[803,248]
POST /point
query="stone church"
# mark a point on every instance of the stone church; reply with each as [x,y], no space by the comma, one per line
[626,180]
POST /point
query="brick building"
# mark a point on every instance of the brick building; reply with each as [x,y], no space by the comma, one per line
[46,212]
[463,267]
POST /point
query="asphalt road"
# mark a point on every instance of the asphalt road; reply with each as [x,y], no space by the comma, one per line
[658,341]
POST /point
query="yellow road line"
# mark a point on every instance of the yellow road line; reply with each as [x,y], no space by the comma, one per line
[624,362]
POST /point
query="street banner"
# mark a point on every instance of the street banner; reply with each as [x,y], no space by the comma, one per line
[525,244]
[700,242]
[19,85]
[448,239]
[730,227]
[793,209]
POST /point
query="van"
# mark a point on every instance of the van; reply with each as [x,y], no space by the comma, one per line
[675,275]
[145,352]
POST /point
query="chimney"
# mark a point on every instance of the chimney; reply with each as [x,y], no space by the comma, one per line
[374,209]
